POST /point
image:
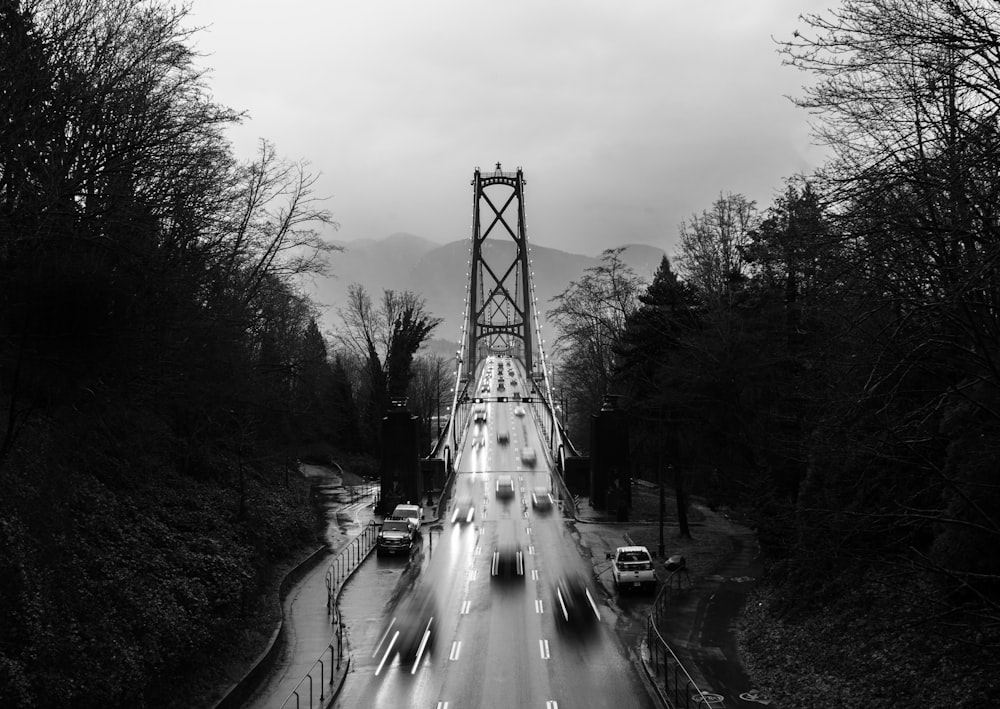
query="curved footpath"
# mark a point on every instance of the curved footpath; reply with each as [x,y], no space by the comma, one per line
[699,623]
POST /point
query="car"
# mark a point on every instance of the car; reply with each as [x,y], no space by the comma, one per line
[528,455]
[413,513]
[505,487]
[541,498]
[464,510]
[479,413]
[411,633]
[519,410]
[503,436]
[632,568]
[500,386]
[573,604]
[478,440]
[397,536]
[508,562]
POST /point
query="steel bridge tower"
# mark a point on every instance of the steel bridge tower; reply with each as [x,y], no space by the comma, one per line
[500,314]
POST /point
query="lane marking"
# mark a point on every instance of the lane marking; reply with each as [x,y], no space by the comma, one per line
[543,646]
[593,604]
[456,648]
[534,574]
[388,651]
[423,646]
[538,606]
[549,704]
[474,574]
[531,550]
[466,607]
[444,705]
[384,636]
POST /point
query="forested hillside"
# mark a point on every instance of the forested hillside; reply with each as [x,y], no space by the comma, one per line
[159,371]
[827,367]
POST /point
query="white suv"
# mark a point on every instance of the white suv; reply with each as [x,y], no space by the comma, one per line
[632,567]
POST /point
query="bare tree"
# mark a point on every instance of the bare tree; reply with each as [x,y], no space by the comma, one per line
[591,316]
[711,251]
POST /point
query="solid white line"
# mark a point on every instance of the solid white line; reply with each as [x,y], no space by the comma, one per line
[543,646]
[423,645]
[386,655]
[562,604]
[384,636]
[593,605]
[456,648]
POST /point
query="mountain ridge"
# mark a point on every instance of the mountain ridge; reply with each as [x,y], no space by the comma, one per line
[439,274]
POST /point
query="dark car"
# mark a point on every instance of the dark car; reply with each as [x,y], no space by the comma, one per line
[573,603]
[541,499]
[411,633]
[465,510]
[508,562]
[505,487]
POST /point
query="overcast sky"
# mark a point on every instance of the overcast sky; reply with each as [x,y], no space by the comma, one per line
[626,116]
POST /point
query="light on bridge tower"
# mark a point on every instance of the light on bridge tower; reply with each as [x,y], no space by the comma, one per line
[500,293]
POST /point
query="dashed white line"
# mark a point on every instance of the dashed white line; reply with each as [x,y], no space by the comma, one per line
[456,648]
[531,550]
[534,574]
[549,704]
[444,705]
[538,606]
[543,647]
[466,607]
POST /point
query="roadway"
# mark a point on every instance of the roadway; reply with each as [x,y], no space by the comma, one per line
[481,640]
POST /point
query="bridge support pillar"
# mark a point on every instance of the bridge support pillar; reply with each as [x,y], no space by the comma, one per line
[400,472]
[610,486]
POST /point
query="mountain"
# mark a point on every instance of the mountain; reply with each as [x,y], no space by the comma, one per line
[439,274]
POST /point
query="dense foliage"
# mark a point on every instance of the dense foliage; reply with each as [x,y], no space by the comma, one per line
[159,371]
[829,365]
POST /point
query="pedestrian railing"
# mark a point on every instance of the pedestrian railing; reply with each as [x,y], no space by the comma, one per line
[344,564]
[369,488]
[317,684]
[681,689]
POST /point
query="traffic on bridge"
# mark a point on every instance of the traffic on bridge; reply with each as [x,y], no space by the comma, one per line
[496,608]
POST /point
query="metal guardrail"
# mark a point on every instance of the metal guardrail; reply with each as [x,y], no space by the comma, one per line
[681,689]
[312,688]
[349,558]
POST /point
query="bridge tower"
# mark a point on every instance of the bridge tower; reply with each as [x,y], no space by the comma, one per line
[500,310]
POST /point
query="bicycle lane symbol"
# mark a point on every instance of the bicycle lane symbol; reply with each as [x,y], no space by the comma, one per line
[756,696]
[709,698]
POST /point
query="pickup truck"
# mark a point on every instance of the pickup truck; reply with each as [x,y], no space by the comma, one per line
[396,536]
[632,568]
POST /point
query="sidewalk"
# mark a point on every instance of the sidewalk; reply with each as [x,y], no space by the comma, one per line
[307,626]
[698,622]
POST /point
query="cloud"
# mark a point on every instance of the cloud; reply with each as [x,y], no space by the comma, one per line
[626,117]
